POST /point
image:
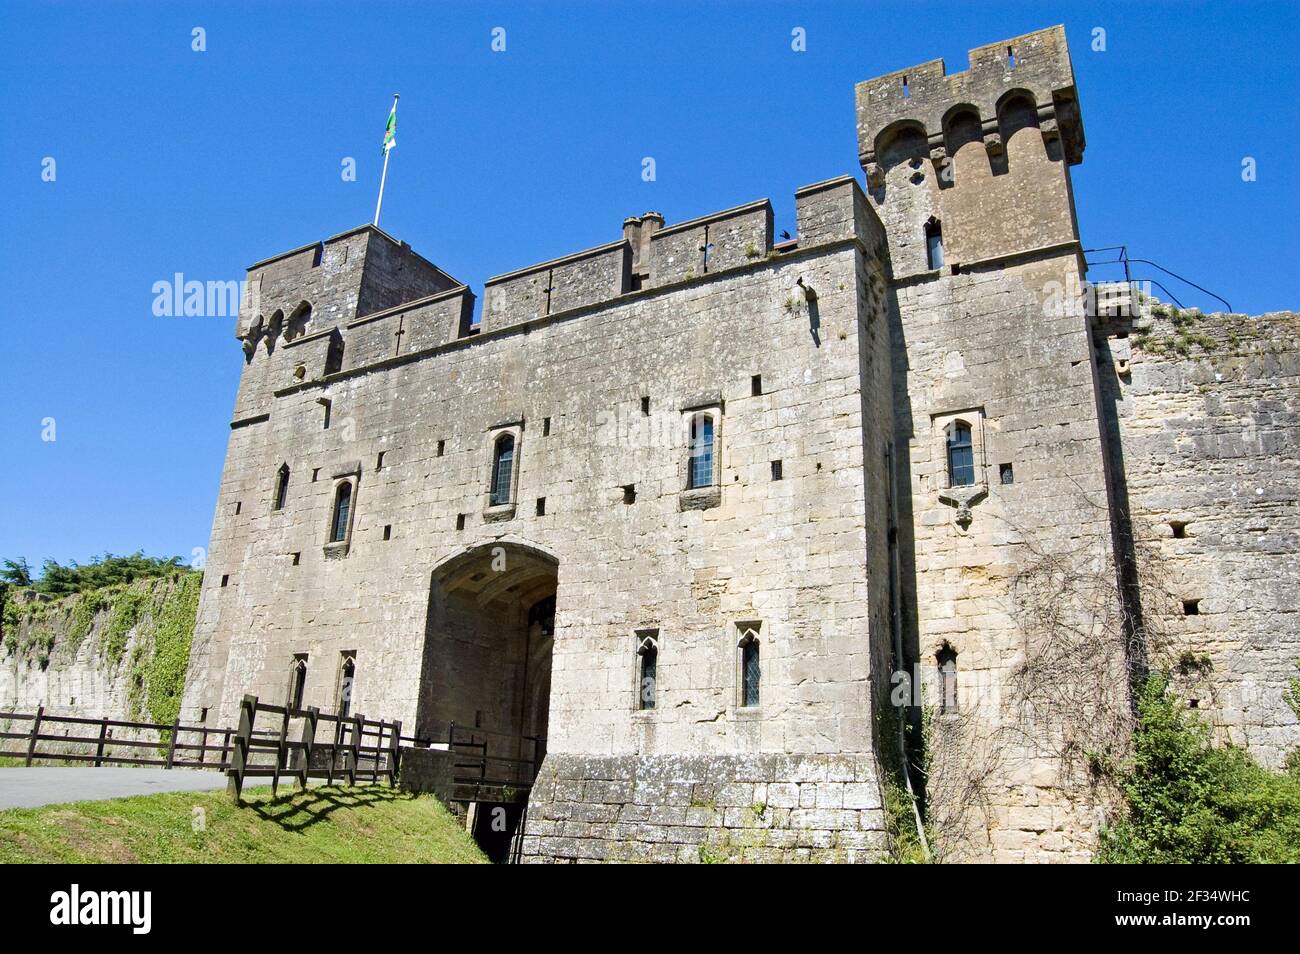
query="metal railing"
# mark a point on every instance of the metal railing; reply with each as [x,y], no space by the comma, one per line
[1118,255]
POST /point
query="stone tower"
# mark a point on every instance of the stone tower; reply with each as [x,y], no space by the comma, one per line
[998,440]
[984,155]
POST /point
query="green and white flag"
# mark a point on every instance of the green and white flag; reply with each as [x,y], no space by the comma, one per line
[390,131]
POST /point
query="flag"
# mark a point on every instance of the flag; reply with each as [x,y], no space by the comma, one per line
[390,130]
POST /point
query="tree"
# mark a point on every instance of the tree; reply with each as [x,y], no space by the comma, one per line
[16,572]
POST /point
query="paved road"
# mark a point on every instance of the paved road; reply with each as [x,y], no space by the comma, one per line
[51,785]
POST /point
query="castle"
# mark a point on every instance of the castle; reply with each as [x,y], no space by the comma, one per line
[680,516]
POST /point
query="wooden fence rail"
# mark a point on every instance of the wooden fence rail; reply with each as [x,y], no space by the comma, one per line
[347,753]
[299,744]
[473,765]
[179,754]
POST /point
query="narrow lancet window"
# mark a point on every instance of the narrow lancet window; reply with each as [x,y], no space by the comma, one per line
[961,456]
[503,462]
[751,671]
[346,677]
[647,672]
[947,659]
[297,681]
[342,509]
[933,244]
[700,465]
[281,488]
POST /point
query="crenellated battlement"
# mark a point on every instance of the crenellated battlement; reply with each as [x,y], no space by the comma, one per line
[975,162]
[361,297]
[313,294]
[927,100]
[649,255]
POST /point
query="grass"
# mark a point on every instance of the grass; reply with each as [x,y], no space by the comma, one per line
[366,824]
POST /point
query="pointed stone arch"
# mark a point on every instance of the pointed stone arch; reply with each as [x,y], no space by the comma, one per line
[299,318]
[489,635]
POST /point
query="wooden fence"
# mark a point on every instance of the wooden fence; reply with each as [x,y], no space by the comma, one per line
[344,752]
[475,767]
[185,746]
[287,743]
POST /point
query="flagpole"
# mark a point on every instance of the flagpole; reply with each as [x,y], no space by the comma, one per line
[384,175]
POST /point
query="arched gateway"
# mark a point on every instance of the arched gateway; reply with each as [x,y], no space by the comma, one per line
[487,654]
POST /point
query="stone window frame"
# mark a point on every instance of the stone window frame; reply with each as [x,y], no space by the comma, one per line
[504,511]
[701,498]
[280,488]
[643,637]
[960,498]
[345,656]
[298,670]
[946,678]
[744,633]
[348,474]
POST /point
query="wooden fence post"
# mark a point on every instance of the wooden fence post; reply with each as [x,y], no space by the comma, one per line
[239,756]
[99,749]
[358,721]
[36,730]
[281,749]
[308,742]
[395,753]
[334,751]
[171,746]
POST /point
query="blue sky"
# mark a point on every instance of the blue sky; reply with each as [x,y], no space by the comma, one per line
[170,160]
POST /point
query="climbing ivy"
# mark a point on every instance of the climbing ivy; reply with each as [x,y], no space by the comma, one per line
[127,605]
[84,608]
[159,611]
[905,845]
[173,626]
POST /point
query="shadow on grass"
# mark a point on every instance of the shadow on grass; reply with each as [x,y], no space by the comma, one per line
[299,810]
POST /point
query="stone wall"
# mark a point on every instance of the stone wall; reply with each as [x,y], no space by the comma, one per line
[700,809]
[1207,408]
[980,342]
[789,352]
[586,278]
[764,553]
[96,655]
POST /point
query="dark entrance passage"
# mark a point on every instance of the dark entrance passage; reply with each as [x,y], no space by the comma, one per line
[495,827]
[485,683]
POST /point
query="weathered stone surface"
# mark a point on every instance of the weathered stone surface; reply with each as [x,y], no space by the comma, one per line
[735,824]
[834,367]
[1206,409]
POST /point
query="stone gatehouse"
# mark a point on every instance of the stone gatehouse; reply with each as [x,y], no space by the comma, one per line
[683,504]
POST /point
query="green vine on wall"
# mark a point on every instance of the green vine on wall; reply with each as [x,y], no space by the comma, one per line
[159,611]
[1191,801]
[127,607]
[164,673]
